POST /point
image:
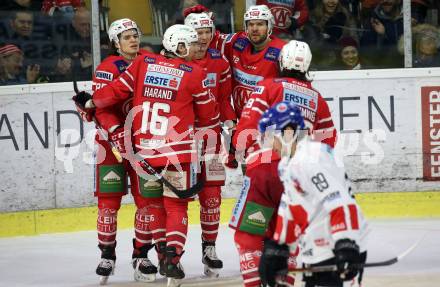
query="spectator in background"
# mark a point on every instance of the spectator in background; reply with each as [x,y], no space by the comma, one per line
[348,56]
[329,22]
[74,44]
[288,15]
[419,10]
[11,64]
[65,7]
[21,25]
[426,40]
[383,30]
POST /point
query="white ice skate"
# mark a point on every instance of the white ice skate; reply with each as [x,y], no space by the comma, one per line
[144,270]
[173,282]
[212,264]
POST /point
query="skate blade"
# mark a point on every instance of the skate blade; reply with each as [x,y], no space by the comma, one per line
[144,277]
[172,282]
[103,280]
[211,272]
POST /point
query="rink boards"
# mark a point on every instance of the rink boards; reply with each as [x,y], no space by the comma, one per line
[389,139]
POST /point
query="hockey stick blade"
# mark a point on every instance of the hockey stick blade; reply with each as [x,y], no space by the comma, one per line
[333,268]
[184,193]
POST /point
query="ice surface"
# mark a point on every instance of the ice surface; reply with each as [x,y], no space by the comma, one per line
[70,259]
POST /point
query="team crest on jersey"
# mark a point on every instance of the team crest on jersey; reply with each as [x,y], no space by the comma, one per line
[215,54]
[210,81]
[103,75]
[185,68]
[258,90]
[272,54]
[121,65]
[149,60]
[241,44]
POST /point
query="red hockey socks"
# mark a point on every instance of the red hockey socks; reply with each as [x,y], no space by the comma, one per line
[210,200]
[107,222]
[176,222]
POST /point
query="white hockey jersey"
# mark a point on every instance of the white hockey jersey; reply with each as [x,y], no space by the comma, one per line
[317,207]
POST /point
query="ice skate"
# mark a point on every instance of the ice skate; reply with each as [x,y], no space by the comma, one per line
[144,270]
[161,255]
[174,270]
[212,264]
[107,265]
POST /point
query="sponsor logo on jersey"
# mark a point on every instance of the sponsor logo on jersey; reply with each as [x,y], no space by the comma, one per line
[321,242]
[282,2]
[215,54]
[258,90]
[149,60]
[245,78]
[301,97]
[158,93]
[240,44]
[256,218]
[152,143]
[165,70]
[161,80]
[185,68]
[272,54]
[121,65]
[111,178]
[332,196]
[150,188]
[210,81]
[239,205]
[103,75]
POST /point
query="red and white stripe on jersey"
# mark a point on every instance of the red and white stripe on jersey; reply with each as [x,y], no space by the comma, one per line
[344,218]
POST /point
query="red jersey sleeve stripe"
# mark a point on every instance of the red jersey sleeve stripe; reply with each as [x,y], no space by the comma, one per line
[125,84]
[129,75]
[353,216]
[337,220]
[264,103]
[200,94]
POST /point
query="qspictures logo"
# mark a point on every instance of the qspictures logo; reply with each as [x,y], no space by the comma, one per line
[431,133]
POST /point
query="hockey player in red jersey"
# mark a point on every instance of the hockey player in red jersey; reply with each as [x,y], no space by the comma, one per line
[294,86]
[317,213]
[289,15]
[170,101]
[111,175]
[219,82]
[252,54]
[254,215]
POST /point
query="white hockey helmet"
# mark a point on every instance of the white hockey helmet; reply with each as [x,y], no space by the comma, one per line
[259,12]
[295,55]
[200,20]
[119,26]
[179,34]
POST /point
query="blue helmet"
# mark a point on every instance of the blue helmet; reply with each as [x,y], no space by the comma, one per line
[280,116]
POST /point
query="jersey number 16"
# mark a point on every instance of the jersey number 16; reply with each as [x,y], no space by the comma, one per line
[156,124]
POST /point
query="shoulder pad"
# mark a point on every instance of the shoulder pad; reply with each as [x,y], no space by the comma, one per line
[121,65]
[240,44]
[215,54]
[185,68]
[272,54]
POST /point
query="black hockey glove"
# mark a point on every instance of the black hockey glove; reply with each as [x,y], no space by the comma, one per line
[82,98]
[273,262]
[347,258]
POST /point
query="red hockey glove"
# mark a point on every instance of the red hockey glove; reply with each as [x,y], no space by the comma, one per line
[195,9]
[80,99]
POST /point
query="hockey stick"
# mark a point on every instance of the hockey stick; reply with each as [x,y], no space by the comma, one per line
[333,268]
[183,194]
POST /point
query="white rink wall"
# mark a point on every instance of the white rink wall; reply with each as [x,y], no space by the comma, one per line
[387,120]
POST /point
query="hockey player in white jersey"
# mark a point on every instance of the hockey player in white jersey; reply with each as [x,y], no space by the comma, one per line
[317,210]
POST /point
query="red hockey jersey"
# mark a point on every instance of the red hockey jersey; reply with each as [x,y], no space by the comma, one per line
[314,108]
[249,68]
[168,97]
[218,80]
[282,10]
[256,207]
